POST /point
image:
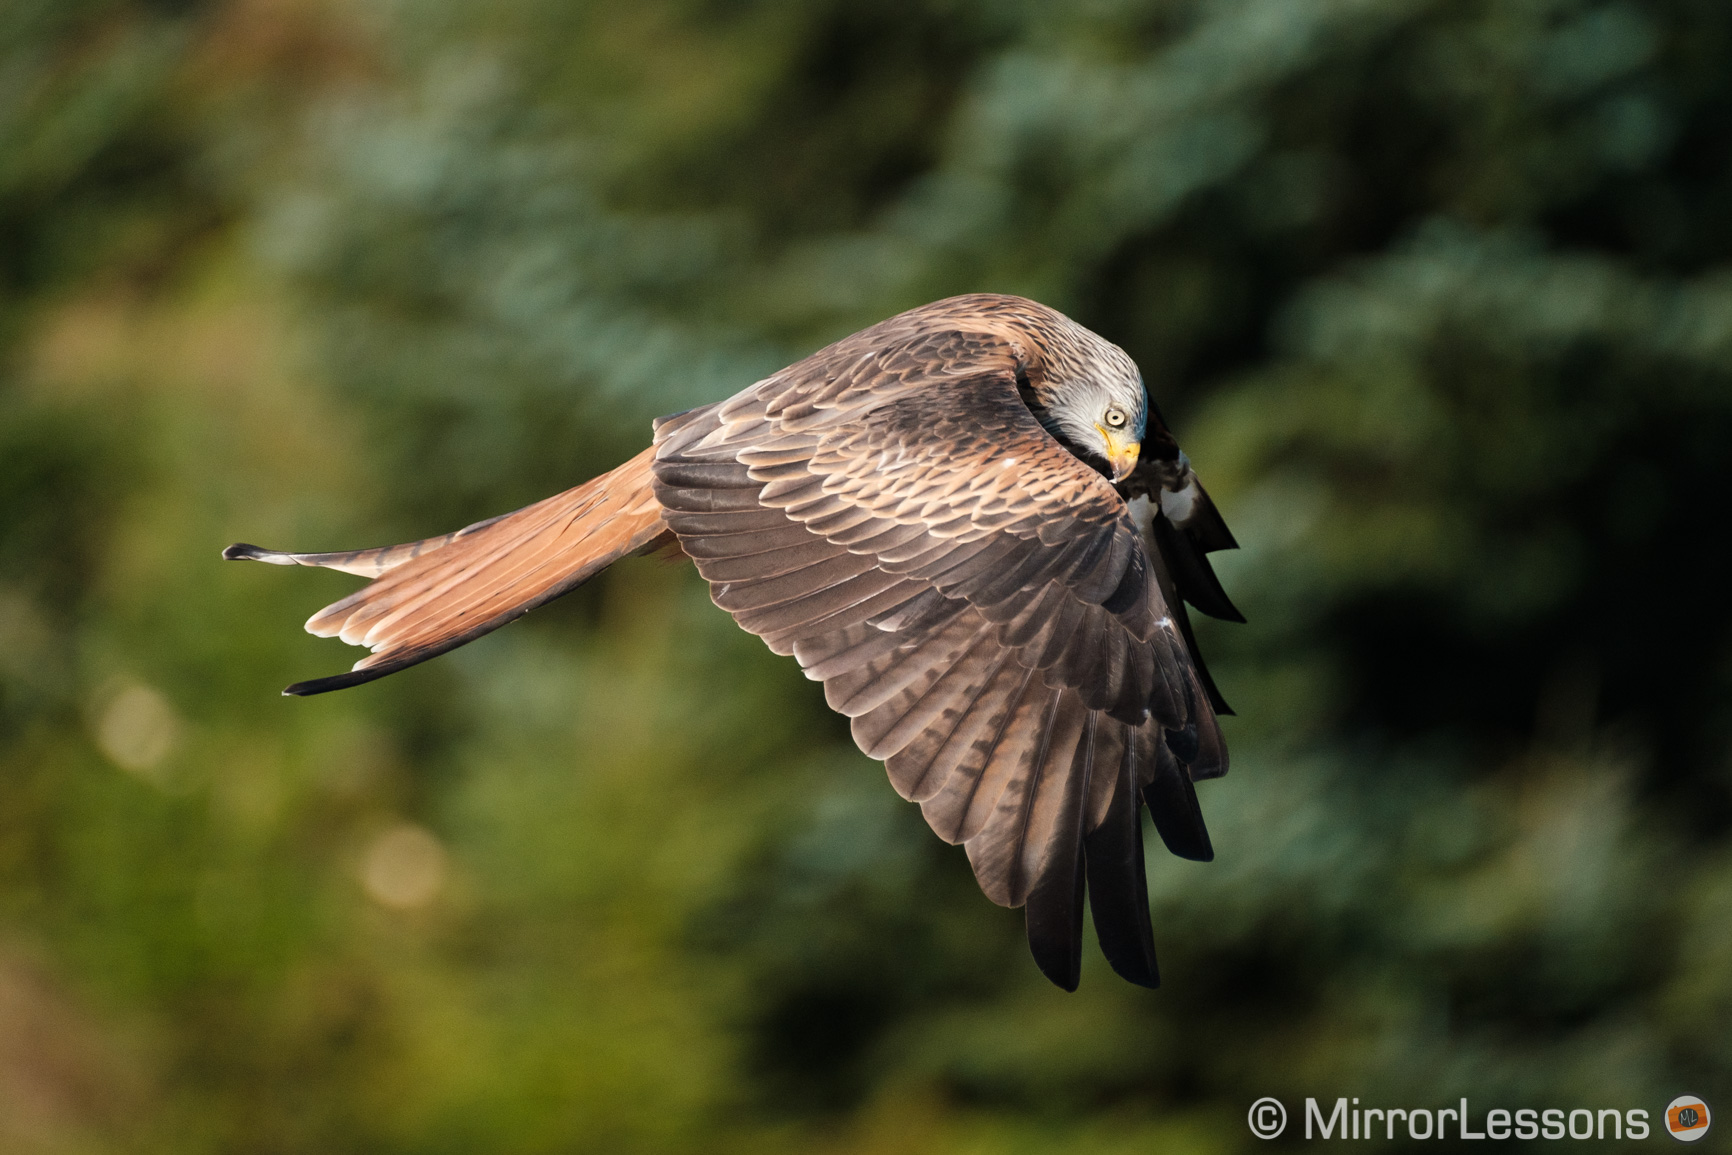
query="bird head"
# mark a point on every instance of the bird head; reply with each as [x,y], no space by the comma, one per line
[1098,407]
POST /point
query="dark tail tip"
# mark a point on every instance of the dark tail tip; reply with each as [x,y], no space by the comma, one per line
[352,677]
[321,686]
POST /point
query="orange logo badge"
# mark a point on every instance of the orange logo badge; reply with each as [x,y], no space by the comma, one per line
[1687,1118]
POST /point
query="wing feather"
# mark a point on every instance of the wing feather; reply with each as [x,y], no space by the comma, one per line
[962,805]
[872,593]
[982,604]
[1118,885]
[1017,837]
[918,769]
[885,732]
[1055,902]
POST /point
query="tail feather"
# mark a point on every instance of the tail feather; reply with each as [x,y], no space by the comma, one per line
[367,563]
[431,596]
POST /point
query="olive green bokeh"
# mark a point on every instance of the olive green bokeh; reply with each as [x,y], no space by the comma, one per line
[1437,295]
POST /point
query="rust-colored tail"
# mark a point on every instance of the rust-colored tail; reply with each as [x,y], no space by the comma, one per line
[431,596]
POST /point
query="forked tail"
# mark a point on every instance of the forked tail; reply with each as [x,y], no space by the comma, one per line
[431,596]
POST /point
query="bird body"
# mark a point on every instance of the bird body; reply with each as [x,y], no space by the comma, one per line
[968,522]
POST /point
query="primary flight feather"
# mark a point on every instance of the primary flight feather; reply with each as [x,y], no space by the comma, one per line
[970,524]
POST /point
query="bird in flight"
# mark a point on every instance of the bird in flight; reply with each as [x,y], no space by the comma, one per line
[971,525]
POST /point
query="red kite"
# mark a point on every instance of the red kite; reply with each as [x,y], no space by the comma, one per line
[970,524]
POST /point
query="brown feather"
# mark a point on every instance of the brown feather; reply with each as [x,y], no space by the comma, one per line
[481,578]
[1005,633]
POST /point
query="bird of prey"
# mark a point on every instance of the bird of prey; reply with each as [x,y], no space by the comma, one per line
[967,521]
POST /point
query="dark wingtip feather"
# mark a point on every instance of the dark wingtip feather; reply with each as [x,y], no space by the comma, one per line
[1207,527]
[1187,560]
[1118,891]
[1215,602]
[1184,742]
[241,551]
[1178,819]
[1207,680]
[1054,918]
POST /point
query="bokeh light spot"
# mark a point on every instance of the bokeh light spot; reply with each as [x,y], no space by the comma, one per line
[404,868]
[137,729]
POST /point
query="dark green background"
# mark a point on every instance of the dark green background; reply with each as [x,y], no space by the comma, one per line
[1437,295]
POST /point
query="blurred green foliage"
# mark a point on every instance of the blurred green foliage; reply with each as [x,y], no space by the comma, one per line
[1435,293]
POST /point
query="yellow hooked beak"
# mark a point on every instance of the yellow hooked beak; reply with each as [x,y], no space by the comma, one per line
[1121,452]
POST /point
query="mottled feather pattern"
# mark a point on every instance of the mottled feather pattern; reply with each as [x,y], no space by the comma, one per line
[899,513]
[995,714]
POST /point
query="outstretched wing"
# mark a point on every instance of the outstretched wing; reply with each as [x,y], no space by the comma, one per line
[975,598]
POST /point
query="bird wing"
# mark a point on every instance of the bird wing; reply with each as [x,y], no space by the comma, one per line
[1182,527]
[976,599]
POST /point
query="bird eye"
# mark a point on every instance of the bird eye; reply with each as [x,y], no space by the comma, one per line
[1115,418]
